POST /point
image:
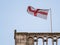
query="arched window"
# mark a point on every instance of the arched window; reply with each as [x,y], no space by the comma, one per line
[49,41]
[40,41]
[59,41]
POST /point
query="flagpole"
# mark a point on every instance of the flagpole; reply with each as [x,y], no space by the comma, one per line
[50,20]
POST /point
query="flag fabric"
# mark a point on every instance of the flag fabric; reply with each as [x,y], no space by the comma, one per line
[42,13]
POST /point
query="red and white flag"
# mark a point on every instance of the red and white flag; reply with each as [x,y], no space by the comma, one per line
[42,13]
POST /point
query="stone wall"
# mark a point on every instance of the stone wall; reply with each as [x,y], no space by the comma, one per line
[25,38]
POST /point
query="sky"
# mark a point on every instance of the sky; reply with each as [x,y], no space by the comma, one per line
[13,15]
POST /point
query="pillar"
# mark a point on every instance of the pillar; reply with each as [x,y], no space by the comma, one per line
[56,42]
[52,41]
[43,41]
[46,41]
[37,42]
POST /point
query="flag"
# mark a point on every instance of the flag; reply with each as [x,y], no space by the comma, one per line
[42,13]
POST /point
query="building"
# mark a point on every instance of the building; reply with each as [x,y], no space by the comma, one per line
[25,38]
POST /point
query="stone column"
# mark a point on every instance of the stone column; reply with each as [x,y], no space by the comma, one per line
[37,42]
[46,41]
[52,41]
[56,42]
[43,41]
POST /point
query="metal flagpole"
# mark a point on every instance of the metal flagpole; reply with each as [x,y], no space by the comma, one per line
[50,20]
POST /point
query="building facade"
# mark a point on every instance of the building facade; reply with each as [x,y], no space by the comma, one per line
[25,38]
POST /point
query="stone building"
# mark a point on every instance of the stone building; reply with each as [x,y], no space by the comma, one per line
[25,38]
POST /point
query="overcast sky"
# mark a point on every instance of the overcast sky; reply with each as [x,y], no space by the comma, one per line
[13,15]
